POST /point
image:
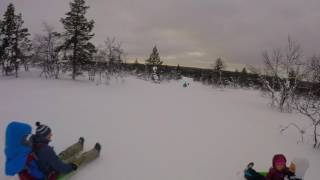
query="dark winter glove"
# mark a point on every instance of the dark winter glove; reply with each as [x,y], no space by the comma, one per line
[73,166]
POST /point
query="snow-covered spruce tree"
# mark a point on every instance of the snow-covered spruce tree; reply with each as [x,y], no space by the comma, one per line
[218,67]
[178,73]
[154,59]
[243,80]
[24,45]
[77,36]
[1,44]
[15,43]
[282,73]
[153,63]
[136,65]
[244,71]
[136,62]
[7,39]
[46,51]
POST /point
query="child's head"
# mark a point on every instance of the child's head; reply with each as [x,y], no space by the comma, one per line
[43,131]
[279,162]
[280,165]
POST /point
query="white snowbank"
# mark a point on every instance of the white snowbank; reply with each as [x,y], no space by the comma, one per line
[156,131]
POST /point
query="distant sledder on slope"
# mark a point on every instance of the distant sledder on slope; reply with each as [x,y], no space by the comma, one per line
[279,170]
[31,158]
[185,84]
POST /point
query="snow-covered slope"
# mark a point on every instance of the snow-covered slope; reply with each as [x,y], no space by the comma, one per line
[156,131]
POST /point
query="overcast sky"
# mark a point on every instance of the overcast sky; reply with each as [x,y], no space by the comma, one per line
[190,32]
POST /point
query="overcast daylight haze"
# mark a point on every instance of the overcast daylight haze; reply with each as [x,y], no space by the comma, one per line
[221,89]
[188,32]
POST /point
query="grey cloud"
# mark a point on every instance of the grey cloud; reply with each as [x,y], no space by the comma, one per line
[190,32]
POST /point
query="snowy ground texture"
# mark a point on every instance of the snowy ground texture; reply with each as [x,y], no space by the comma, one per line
[156,131]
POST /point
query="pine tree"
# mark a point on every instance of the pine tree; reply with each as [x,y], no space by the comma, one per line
[136,62]
[244,71]
[219,65]
[1,45]
[244,81]
[24,45]
[178,72]
[154,59]
[7,33]
[217,69]
[178,67]
[15,42]
[77,35]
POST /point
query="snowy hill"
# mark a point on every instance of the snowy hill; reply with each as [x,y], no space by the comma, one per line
[156,131]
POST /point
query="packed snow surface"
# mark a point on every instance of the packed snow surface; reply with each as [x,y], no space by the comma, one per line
[157,131]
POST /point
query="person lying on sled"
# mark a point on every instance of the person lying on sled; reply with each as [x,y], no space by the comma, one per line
[31,157]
